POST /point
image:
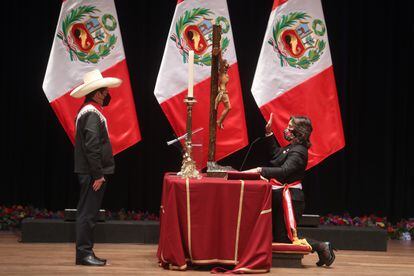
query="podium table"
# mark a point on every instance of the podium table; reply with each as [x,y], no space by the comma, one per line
[215,221]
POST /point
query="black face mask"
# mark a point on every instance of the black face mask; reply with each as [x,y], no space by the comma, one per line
[106,100]
[288,134]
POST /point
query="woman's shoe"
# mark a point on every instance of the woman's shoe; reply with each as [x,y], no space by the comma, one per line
[326,254]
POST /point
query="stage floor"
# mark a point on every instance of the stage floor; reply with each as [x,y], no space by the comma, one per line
[138,259]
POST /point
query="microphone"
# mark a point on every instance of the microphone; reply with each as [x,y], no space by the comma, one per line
[248,151]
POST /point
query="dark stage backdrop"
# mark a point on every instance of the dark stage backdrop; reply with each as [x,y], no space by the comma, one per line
[372,51]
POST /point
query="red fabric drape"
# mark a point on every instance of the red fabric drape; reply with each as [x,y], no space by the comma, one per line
[216,221]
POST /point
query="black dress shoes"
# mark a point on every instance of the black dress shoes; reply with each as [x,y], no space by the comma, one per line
[326,254]
[91,260]
[102,260]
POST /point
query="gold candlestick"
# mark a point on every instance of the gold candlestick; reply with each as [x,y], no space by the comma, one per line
[188,167]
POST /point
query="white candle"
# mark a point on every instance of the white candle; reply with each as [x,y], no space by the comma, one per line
[190,73]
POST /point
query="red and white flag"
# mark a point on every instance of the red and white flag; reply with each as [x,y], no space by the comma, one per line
[88,37]
[191,29]
[294,75]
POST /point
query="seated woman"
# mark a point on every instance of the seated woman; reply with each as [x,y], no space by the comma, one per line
[287,166]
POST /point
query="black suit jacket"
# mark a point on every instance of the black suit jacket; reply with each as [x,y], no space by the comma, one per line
[93,150]
[287,164]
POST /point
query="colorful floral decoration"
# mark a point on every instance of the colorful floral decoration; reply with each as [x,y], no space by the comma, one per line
[11,217]
[403,230]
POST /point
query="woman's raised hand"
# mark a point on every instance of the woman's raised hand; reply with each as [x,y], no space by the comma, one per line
[268,127]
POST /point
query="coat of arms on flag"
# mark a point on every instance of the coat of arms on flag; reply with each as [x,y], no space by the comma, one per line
[87,36]
[194,31]
[298,40]
[295,76]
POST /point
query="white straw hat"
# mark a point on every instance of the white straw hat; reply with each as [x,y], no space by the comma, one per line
[93,80]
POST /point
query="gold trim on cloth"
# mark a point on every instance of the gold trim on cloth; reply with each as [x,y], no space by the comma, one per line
[236,246]
[292,252]
[300,242]
[213,261]
[291,244]
[187,187]
[174,267]
[162,258]
[252,270]
[266,211]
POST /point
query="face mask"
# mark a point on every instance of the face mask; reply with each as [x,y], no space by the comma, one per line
[288,134]
[106,100]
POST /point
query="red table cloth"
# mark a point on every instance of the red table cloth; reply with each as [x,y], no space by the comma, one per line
[216,221]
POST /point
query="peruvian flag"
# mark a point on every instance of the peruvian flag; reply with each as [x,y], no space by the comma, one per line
[191,29]
[88,37]
[294,75]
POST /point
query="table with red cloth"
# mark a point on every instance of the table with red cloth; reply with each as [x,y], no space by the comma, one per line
[215,221]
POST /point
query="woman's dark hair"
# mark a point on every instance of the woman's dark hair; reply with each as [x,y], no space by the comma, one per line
[302,129]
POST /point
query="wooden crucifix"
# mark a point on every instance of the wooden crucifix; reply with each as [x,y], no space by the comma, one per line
[213,92]
[213,169]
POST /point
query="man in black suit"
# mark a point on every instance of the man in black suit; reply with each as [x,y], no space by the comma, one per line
[94,160]
[288,166]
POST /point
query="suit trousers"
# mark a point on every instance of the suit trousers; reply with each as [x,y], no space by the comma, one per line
[87,214]
[278,219]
